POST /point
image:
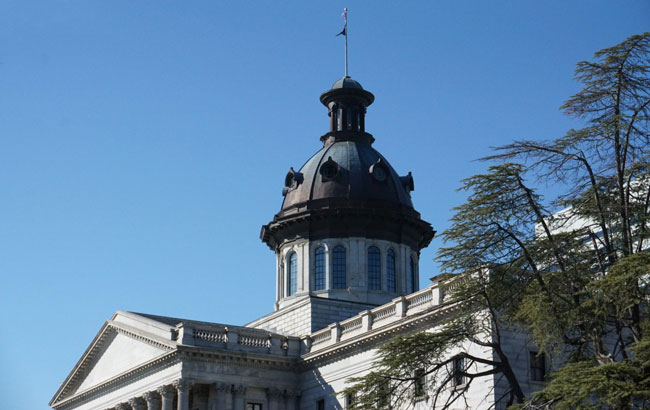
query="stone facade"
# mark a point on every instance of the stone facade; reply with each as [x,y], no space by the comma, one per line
[308,315]
[151,362]
[326,326]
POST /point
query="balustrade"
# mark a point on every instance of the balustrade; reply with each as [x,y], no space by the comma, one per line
[399,308]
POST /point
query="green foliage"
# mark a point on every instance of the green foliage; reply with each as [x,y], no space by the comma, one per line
[576,281]
[589,385]
[394,379]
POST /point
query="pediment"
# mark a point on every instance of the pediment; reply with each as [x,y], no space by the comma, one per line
[116,350]
[121,353]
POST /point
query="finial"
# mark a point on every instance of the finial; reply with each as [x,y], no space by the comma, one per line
[344,32]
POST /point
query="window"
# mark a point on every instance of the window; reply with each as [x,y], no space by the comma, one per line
[390,271]
[458,375]
[413,275]
[320,404]
[338,268]
[349,401]
[374,268]
[419,382]
[253,406]
[319,268]
[537,366]
[293,274]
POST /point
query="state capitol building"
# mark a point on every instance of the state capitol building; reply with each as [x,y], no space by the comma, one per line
[347,241]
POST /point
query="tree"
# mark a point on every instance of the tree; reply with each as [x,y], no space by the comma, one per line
[574,280]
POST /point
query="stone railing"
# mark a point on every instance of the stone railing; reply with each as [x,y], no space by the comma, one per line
[321,336]
[351,324]
[237,338]
[373,319]
[383,313]
[255,341]
[210,335]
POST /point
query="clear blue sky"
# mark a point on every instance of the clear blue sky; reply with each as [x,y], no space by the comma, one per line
[144,143]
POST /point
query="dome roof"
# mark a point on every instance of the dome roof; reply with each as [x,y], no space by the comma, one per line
[347,189]
[347,82]
[350,171]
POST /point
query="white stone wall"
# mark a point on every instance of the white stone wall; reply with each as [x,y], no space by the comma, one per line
[308,315]
[329,380]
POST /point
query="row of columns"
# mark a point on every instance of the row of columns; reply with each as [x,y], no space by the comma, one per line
[214,396]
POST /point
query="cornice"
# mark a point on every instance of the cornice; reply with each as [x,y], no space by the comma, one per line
[133,333]
[236,358]
[109,329]
[121,379]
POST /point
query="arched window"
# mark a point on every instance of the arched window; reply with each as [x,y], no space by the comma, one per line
[413,275]
[339,280]
[292,280]
[390,271]
[319,269]
[374,268]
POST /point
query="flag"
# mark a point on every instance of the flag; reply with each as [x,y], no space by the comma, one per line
[344,15]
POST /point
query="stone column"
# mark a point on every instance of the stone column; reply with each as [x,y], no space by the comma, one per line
[292,399]
[153,400]
[167,394]
[274,396]
[222,391]
[183,387]
[138,403]
[239,397]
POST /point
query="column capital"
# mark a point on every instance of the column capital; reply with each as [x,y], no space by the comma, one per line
[292,394]
[152,399]
[123,406]
[183,385]
[239,389]
[167,391]
[138,403]
[274,393]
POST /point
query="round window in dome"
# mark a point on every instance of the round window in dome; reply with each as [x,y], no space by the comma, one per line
[329,170]
[379,171]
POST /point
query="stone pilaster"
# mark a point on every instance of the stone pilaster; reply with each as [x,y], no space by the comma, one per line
[153,400]
[239,397]
[292,399]
[275,397]
[138,403]
[167,394]
[183,387]
[222,391]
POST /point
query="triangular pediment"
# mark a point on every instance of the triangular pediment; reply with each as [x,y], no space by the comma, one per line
[125,343]
[122,353]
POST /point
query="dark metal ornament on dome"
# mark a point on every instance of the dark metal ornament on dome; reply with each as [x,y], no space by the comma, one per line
[347,189]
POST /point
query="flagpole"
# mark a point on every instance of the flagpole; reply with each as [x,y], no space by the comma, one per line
[346,41]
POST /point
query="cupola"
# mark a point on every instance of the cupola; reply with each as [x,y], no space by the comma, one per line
[347,231]
[346,102]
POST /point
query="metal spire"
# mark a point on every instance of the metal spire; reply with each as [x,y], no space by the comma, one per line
[345,34]
[345,28]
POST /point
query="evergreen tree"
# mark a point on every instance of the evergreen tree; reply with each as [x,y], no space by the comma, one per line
[576,281]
